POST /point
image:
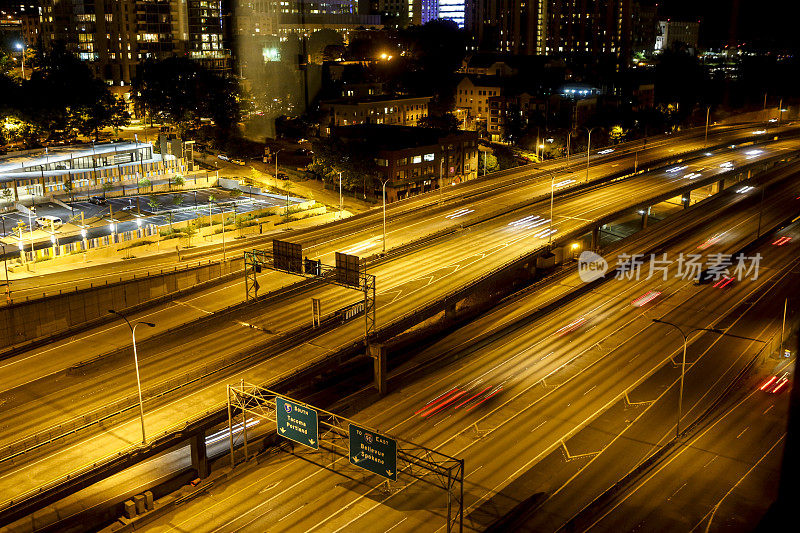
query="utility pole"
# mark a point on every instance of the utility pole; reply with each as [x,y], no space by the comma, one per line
[783,325]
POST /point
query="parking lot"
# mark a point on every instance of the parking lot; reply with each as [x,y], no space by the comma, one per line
[149,209]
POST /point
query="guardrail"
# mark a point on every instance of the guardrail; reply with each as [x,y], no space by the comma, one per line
[194,376]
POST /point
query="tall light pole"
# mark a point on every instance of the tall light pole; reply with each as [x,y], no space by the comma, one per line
[21,46]
[276,163]
[685,336]
[136,362]
[441,179]
[588,149]
[552,194]
[341,199]
[708,115]
[383,186]
[780,112]
[8,282]
[569,138]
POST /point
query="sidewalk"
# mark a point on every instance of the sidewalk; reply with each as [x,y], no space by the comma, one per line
[169,249]
[311,189]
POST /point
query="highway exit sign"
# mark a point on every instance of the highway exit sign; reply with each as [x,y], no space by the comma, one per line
[373,452]
[297,422]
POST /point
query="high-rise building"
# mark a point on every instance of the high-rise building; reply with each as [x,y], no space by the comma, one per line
[673,33]
[594,27]
[514,26]
[552,27]
[114,36]
[645,26]
[454,10]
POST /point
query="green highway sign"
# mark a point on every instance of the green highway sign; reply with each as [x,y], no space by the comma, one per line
[373,452]
[297,422]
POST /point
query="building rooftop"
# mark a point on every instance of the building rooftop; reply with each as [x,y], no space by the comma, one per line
[355,100]
[15,161]
[384,137]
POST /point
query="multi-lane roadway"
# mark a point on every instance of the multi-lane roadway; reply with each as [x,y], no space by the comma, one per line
[436,269]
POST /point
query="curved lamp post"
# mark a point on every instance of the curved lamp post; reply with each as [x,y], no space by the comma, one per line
[685,335]
[136,362]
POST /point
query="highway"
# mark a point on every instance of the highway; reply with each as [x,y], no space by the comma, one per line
[552,383]
[527,181]
[411,281]
[683,492]
[499,241]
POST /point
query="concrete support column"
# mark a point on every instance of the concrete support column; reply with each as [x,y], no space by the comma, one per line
[199,457]
[686,199]
[717,186]
[378,354]
[450,311]
[645,214]
[595,238]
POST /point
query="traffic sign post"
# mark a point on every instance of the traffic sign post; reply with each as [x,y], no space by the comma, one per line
[373,452]
[376,453]
[297,422]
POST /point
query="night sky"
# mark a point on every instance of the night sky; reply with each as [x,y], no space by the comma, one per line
[771,22]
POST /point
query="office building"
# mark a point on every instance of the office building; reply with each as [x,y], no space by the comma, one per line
[114,37]
[414,160]
[677,33]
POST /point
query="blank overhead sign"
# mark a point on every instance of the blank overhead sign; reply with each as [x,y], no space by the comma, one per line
[287,256]
[348,269]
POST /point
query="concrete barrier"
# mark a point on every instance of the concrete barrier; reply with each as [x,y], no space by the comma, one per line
[23,323]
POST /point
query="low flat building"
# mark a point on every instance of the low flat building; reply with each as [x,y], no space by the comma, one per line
[44,172]
[396,111]
[414,160]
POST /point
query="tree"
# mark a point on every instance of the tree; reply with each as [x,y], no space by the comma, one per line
[179,180]
[63,94]
[8,194]
[235,193]
[491,163]
[177,200]
[190,231]
[617,134]
[107,186]
[152,202]
[180,91]
[170,218]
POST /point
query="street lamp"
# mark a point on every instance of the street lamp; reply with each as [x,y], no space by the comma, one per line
[588,147]
[136,362]
[552,194]
[685,336]
[21,46]
[8,282]
[276,163]
[383,186]
[708,115]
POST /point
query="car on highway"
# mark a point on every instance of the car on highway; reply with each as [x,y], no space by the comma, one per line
[98,200]
[49,222]
[775,384]
[239,162]
[223,157]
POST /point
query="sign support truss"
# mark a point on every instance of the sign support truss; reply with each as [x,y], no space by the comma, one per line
[416,463]
[257,260]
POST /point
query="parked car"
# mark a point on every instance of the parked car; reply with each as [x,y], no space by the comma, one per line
[98,200]
[239,162]
[303,151]
[49,222]
[282,176]
[224,157]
